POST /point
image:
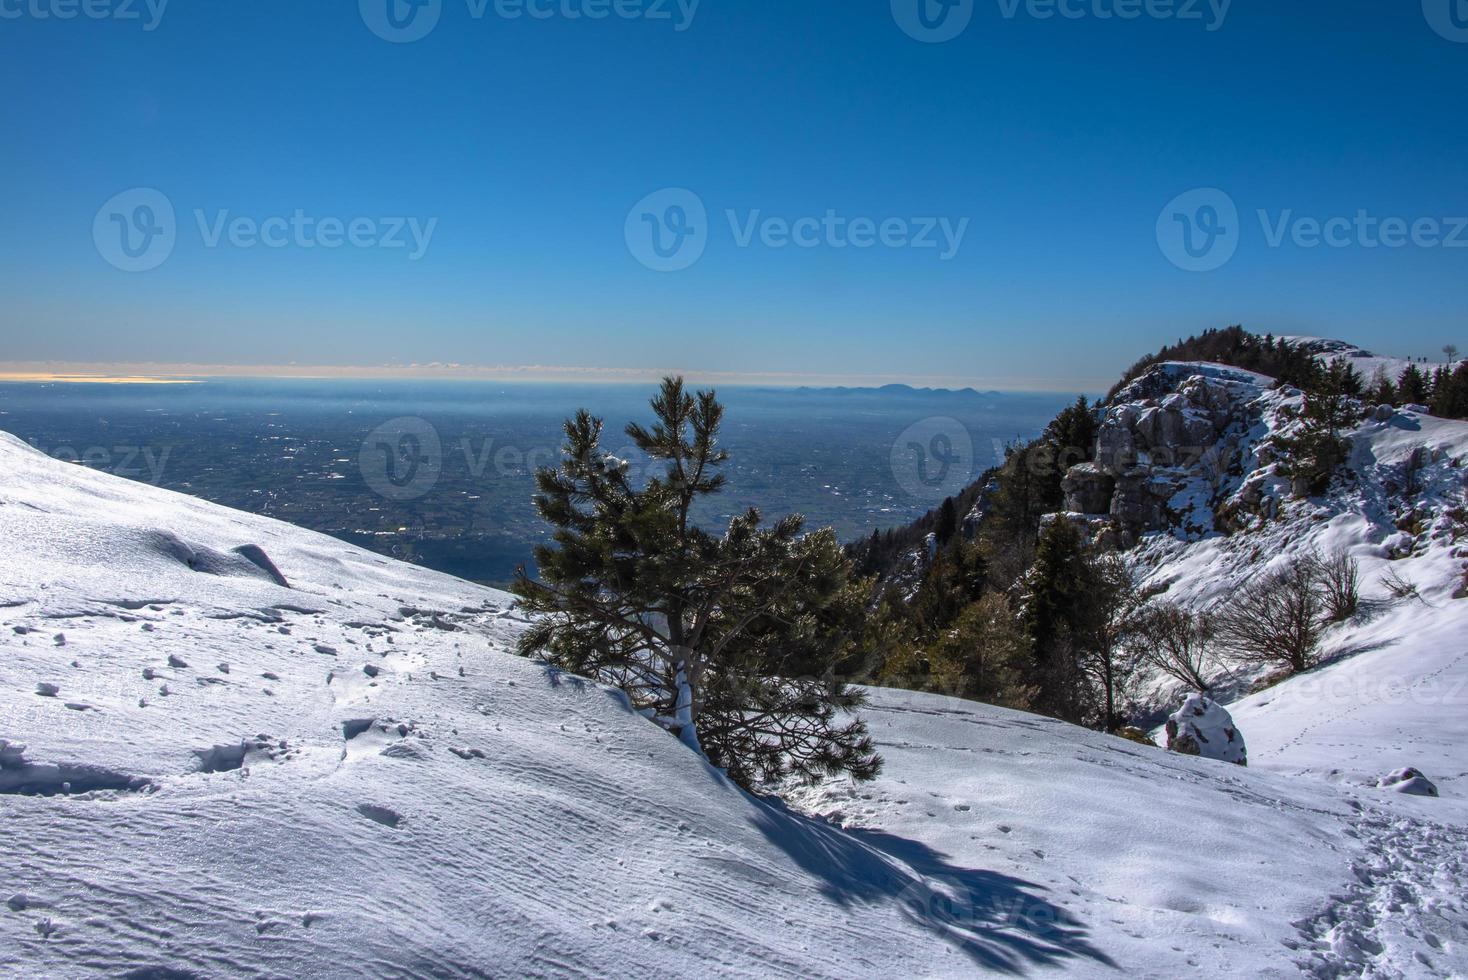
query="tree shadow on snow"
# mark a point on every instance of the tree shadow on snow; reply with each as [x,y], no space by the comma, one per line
[1000,922]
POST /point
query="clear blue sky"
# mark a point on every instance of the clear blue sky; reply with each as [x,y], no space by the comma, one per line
[528,140]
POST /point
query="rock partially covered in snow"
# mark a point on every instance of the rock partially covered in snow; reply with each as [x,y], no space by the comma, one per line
[1204,727]
[1408,781]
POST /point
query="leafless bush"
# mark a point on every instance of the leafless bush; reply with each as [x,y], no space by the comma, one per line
[1180,643]
[1340,585]
[1278,619]
[1400,587]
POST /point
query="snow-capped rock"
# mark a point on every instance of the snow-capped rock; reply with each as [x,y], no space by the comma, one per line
[1204,727]
[1408,781]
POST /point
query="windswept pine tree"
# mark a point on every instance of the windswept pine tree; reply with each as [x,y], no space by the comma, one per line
[730,641]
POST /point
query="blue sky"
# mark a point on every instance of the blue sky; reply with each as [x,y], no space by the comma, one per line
[524,143]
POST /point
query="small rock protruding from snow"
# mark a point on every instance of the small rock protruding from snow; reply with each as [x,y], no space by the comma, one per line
[1408,781]
[47,690]
[1204,727]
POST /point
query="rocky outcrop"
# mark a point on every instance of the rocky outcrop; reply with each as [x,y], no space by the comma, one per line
[1164,440]
[1088,489]
[1204,727]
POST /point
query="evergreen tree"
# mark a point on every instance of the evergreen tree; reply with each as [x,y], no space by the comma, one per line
[947,522]
[730,641]
[982,657]
[1318,449]
[1412,386]
[1073,434]
[1055,623]
[1437,389]
[1450,393]
[1381,390]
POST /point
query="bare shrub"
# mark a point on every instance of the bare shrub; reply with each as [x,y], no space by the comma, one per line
[1180,643]
[1278,619]
[1340,585]
[1399,587]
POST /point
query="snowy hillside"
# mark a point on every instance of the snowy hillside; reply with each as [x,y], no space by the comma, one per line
[236,748]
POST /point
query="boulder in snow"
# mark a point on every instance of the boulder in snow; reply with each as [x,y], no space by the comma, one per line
[1408,781]
[1203,727]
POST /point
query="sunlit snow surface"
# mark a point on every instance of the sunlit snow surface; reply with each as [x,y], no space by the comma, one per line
[349,775]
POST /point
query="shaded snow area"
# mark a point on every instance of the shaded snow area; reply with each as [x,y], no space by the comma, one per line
[1102,851]
[230,747]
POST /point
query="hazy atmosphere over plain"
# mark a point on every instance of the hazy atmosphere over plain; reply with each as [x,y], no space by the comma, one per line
[796,190]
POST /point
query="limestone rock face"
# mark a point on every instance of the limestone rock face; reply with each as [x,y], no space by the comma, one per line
[1175,424]
[1136,503]
[1088,489]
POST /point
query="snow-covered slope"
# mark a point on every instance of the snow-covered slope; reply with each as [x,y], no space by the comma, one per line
[236,748]
[1166,865]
